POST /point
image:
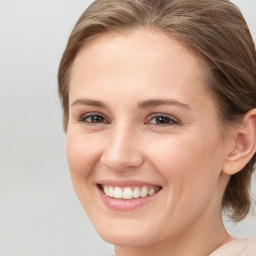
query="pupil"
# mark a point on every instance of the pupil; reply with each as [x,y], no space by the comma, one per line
[162,119]
[97,119]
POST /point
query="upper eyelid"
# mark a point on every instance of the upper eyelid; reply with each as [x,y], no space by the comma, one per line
[151,116]
[84,116]
[164,115]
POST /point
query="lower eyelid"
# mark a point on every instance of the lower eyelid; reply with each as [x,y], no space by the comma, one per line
[83,118]
[171,119]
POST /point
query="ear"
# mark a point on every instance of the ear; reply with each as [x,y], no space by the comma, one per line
[243,146]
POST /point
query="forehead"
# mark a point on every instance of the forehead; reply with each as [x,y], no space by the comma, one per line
[135,45]
[139,57]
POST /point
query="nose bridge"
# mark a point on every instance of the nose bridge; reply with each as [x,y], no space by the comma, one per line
[122,149]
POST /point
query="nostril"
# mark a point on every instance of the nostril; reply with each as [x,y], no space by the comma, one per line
[120,162]
[122,151]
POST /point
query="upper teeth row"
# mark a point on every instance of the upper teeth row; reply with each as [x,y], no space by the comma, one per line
[127,193]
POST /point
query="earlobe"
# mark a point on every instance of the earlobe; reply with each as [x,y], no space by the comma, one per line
[244,146]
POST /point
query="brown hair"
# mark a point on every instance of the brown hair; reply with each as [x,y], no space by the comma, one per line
[215,30]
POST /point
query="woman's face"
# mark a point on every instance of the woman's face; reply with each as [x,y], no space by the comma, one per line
[143,128]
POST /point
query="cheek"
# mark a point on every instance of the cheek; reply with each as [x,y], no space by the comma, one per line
[187,161]
[82,154]
[82,159]
[191,172]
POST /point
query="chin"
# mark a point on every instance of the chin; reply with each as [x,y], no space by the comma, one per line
[126,233]
[124,238]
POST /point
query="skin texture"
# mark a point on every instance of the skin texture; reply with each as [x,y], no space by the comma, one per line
[185,156]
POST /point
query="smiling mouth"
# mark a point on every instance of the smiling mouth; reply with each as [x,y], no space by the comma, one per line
[129,193]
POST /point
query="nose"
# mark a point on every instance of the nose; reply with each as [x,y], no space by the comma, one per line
[122,151]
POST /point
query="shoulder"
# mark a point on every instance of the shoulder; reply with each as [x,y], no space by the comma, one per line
[238,247]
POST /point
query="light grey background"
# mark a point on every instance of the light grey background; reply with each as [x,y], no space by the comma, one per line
[39,212]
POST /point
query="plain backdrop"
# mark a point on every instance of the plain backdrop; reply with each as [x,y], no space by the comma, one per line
[39,212]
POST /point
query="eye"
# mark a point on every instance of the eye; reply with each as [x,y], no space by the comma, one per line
[92,118]
[163,120]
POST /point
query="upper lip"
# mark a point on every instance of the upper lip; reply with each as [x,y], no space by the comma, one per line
[126,183]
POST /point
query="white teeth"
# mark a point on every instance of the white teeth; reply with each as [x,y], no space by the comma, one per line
[151,191]
[128,192]
[118,193]
[111,192]
[105,188]
[144,192]
[136,193]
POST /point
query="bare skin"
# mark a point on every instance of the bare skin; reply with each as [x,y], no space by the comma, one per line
[119,130]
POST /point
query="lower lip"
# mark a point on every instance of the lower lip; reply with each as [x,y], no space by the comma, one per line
[124,204]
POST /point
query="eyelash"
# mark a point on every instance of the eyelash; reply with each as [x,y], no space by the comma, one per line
[171,120]
[83,118]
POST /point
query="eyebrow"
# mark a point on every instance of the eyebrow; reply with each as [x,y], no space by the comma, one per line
[89,102]
[143,104]
[160,102]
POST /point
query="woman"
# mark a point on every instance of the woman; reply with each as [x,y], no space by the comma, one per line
[159,100]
